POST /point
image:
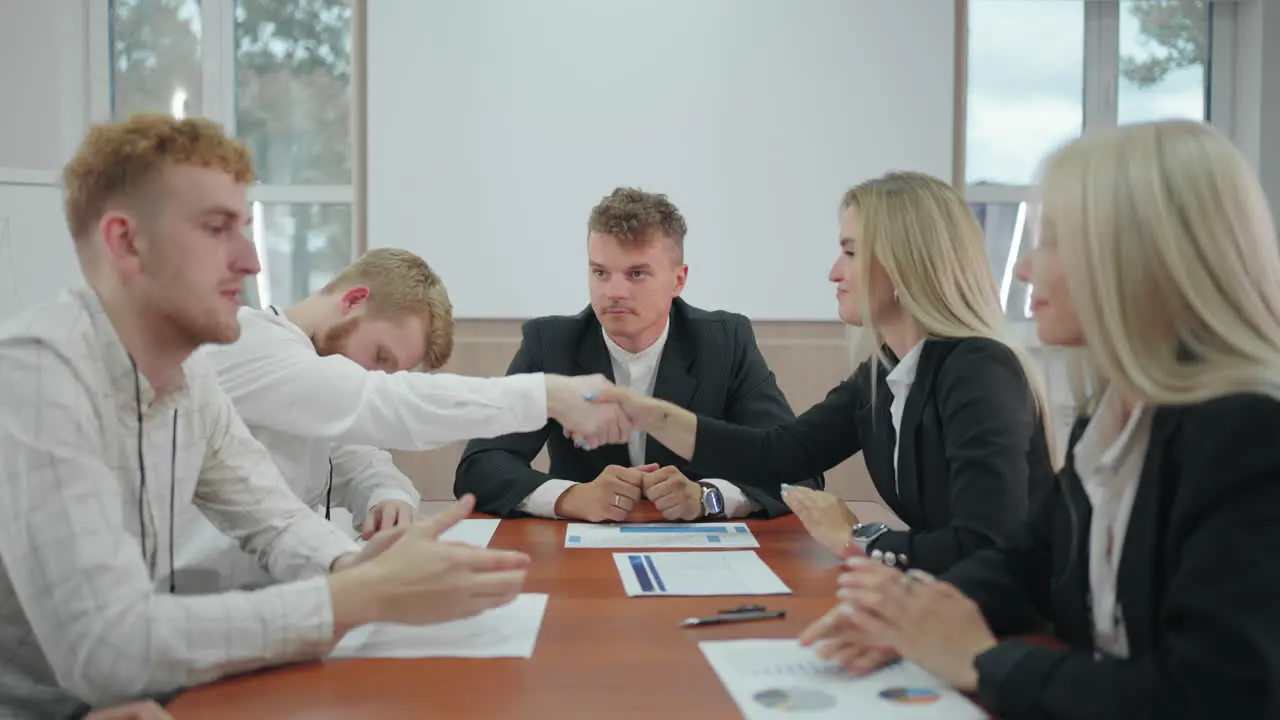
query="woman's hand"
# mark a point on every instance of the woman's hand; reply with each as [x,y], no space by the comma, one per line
[926,621]
[824,515]
[845,643]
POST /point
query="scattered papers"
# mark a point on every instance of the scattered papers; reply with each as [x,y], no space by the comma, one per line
[478,532]
[666,535]
[507,631]
[739,572]
[779,678]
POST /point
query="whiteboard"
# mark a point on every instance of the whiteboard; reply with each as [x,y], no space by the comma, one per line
[37,257]
[494,126]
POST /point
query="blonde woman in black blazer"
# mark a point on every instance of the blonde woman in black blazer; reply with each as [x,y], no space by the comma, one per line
[947,411]
[1155,556]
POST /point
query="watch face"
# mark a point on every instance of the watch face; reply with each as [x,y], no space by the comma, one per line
[870,530]
[713,501]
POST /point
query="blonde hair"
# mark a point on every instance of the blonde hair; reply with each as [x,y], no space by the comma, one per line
[1171,258]
[402,284]
[934,252]
[118,160]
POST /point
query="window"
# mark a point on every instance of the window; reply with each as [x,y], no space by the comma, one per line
[155,57]
[1026,79]
[1040,73]
[301,248]
[1010,229]
[277,73]
[293,82]
[1163,53]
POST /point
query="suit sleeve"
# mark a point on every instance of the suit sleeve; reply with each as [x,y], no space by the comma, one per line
[1218,653]
[497,470]
[756,401]
[759,447]
[989,418]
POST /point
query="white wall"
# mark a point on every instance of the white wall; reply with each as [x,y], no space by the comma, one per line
[43,77]
[495,126]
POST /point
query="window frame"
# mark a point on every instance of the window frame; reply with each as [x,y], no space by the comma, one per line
[1101,93]
[218,103]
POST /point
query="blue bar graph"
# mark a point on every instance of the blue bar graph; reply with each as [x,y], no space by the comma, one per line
[642,575]
[648,560]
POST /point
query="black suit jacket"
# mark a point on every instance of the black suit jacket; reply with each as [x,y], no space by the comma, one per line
[1198,583]
[973,449]
[710,365]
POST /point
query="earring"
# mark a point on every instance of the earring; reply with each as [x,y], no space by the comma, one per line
[895,296]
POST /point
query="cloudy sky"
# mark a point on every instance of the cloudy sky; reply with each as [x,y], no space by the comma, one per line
[1026,75]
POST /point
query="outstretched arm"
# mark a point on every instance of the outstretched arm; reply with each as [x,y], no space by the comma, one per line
[799,449]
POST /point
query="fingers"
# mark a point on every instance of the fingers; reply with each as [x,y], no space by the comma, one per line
[821,628]
[481,560]
[370,524]
[506,584]
[447,518]
[861,660]
[621,487]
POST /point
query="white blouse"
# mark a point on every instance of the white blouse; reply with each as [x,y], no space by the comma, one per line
[1108,460]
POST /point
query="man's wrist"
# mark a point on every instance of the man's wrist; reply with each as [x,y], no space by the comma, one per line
[356,601]
[557,389]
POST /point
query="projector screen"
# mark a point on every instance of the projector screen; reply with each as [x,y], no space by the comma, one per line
[494,126]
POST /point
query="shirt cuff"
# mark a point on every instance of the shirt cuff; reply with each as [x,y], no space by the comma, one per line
[530,410]
[384,494]
[542,502]
[736,502]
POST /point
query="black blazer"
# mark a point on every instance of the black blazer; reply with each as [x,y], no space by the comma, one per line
[1198,584]
[973,449]
[710,365]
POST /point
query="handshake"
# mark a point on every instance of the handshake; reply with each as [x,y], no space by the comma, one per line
[592,410]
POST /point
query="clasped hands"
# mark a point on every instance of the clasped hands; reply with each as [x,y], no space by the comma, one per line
[884,615]
[613,495]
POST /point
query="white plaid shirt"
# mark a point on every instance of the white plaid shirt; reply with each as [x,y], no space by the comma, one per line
[81,618]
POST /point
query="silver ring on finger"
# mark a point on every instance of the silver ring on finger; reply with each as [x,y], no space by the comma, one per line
[617,501]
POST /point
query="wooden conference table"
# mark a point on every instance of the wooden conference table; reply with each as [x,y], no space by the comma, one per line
[599,653]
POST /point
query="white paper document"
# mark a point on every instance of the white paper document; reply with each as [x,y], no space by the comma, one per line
[733,572]
[507,631]
[659,535]
[478,532]
[780,679]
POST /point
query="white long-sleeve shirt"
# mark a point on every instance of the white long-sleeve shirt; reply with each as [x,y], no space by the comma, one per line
[310,410]
[84,547]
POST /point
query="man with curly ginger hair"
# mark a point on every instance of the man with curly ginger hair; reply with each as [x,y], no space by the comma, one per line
[640,334]
[111,430]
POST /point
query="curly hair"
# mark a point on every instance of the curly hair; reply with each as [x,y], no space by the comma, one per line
[635,217]
[117,160]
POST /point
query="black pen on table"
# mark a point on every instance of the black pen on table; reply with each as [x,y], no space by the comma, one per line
[733,617]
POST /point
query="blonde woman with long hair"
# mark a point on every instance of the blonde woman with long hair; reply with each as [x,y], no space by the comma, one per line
[1155,556]
[947,411]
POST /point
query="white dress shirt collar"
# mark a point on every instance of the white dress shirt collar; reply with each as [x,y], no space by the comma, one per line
[899,380]
[1108,460]
[640,363]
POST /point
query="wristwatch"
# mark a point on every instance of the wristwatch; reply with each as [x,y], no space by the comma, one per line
[712,502]
[866,533]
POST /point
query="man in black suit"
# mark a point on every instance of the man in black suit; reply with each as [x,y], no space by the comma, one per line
[640,334]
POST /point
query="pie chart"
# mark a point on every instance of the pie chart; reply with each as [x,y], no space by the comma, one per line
[794,699]
[909,696]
